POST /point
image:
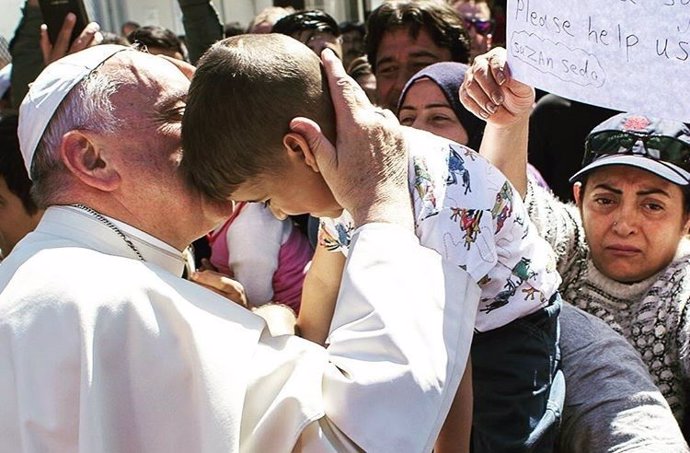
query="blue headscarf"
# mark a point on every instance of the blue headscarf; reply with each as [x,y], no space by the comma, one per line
[449,76]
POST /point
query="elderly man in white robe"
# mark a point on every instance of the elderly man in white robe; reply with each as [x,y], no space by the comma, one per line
[104,348]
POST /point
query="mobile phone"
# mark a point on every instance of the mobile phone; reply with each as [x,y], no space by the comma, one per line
[54,13]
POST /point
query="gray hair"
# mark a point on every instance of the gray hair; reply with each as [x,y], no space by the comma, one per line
[88,106]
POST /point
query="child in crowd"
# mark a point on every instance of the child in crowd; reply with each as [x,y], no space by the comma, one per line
[267,255]
[464,208]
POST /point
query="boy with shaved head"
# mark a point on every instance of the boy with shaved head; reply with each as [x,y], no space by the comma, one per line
[258,145]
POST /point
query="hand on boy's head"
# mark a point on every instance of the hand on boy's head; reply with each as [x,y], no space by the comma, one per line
[90,36]
[367,168]
[492,94]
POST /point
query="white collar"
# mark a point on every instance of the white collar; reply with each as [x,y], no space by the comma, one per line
[82,227]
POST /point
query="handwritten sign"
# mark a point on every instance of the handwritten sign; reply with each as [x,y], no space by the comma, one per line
[630,55]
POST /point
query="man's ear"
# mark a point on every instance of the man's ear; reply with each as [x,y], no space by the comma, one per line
[84,159]
[577,193]
[297,147]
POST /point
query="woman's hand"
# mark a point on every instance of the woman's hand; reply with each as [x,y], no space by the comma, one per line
[490,92]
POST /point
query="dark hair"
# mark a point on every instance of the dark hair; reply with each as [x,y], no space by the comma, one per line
[359,67]
[244,94]
[233,29]
[443,24]
[130,23]
[352,25]
[12,164]
[113,38]
[306,20]
[155,36]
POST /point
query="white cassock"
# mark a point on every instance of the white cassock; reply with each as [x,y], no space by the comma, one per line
[102,352]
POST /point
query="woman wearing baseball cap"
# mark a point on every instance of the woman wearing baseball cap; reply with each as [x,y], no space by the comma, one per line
[622,249]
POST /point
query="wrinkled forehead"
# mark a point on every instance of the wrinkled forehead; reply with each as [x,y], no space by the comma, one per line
[144,78]
[145,71]
[622,175]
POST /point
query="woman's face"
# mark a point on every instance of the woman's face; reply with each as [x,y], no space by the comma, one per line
[633,221]
[426,108]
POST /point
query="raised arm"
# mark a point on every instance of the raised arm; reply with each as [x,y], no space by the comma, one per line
[202,26]
[27,61]
[491,93]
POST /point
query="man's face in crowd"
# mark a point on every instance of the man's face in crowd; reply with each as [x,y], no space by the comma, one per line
[15,222]
[633,221]
[399,57]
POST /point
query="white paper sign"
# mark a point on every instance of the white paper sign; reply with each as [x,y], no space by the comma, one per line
[629,55]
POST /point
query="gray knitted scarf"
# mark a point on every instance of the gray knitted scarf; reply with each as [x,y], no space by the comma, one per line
[651,314]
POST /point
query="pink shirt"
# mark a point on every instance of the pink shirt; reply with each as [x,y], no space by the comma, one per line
[268,256]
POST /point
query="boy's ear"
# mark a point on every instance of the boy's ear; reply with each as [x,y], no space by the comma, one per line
[297,147]
[86,161]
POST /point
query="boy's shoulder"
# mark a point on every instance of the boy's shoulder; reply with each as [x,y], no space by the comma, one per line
[443,173]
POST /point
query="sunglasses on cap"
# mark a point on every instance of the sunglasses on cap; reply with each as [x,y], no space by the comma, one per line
[657,147]
[482,27]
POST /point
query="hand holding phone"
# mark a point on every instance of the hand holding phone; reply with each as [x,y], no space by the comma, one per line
[90,36]
[54,13]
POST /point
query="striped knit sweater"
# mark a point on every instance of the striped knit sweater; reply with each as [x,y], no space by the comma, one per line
[651,314]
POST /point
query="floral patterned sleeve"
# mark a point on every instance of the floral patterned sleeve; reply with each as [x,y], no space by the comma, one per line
[469,212]
[335,234]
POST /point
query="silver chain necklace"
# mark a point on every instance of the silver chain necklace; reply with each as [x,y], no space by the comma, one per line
[110,225]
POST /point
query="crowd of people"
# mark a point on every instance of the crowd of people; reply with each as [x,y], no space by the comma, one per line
[306,236]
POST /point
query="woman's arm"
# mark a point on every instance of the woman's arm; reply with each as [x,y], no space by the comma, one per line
[202,26]
[491,93]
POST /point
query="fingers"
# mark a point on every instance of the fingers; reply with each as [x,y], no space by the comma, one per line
[470,104]
[346,94]
[490,92]
[62,42]
[482,87]
[46,45]
[90,36]
[499,67]
[186,68]
[206,265]
[222,285]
